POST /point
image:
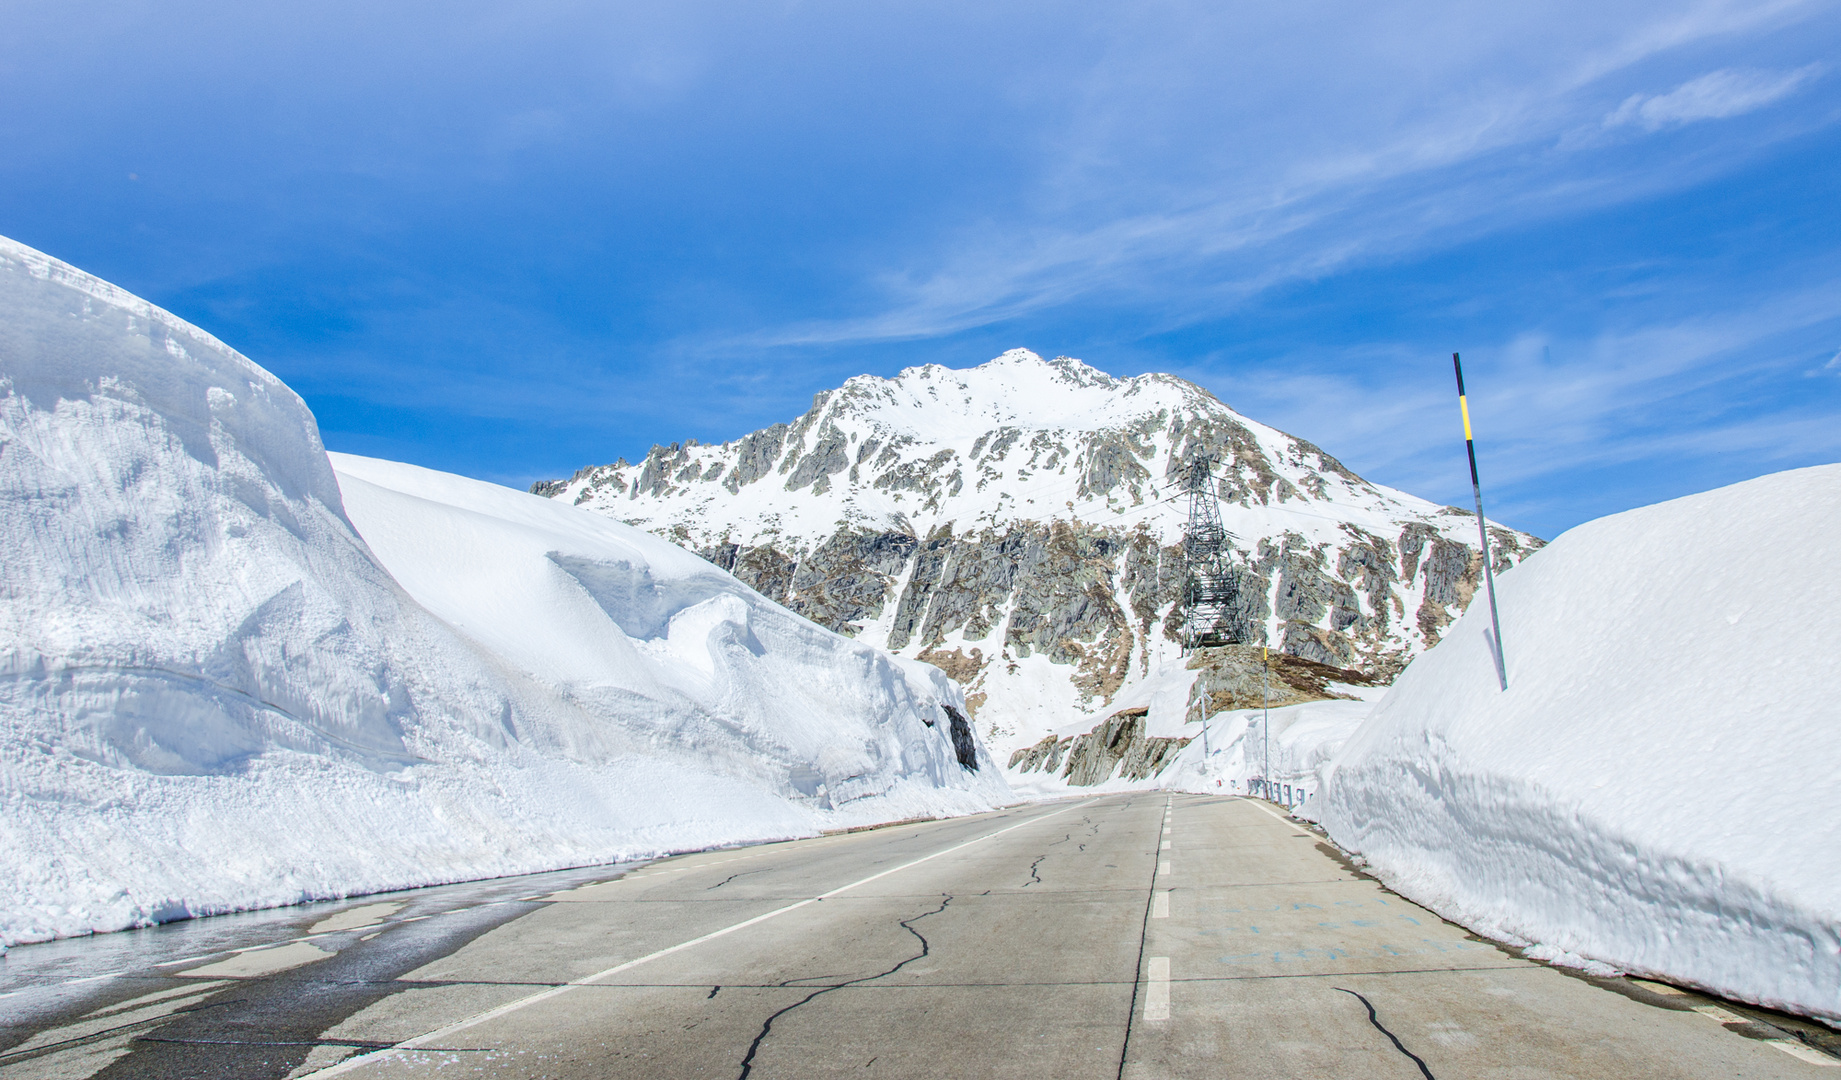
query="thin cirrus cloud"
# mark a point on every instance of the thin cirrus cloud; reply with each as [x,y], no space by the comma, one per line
[1663,385]
[1716,95]
[504,239]
[1574,427]
[1463,160]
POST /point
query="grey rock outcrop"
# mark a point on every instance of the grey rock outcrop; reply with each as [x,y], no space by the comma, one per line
[1238,677]
[1116,746]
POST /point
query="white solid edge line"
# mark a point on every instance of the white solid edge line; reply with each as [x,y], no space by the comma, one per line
[1261,806]
[287,941]
[1803,1053]
[544,995]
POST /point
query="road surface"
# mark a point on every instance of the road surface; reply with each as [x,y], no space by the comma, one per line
[1125,937]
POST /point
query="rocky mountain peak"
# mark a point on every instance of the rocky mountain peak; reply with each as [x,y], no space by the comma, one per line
[1018,524]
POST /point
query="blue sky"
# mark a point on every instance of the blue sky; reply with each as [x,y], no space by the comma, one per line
[511,240]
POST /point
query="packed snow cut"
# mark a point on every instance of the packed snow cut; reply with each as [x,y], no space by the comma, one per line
[234,678]
[1655,791]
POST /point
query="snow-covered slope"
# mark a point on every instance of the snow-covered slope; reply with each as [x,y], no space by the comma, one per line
[625,625]
[212,695]
[1657,789]
[1017,523]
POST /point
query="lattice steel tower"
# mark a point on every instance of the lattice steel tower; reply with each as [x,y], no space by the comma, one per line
[1208,587]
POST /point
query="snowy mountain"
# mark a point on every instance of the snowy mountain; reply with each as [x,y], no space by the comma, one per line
[1018,524]
[1656,789]
[219,693]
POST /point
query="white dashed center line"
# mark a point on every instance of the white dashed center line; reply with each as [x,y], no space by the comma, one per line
[1157,990]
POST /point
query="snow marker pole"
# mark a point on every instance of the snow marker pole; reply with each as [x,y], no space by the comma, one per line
[1476,488]
[1265,722]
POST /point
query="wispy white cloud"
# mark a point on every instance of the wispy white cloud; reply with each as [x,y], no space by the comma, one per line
[647,221]
[1191,193]
[1697,395]
[1714,96]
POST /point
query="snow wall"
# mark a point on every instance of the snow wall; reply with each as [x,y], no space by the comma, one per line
[1657,789]
[214,695]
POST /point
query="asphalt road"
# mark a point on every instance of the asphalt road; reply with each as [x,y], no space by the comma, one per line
[1119,937]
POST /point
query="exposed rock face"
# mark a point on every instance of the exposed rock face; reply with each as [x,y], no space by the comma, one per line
[1235,677]
[1019,524]
[964,745]
[1117,745]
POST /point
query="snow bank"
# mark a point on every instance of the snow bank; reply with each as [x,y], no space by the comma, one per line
[213,696]
[1303,740]
[1656,790]
[625,624]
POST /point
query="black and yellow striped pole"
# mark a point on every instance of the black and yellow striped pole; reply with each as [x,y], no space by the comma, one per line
[1476,487]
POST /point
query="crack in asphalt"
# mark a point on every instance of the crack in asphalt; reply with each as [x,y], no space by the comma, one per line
[738,873]
[11,1056]
[805,980]
[767,1025]
[363,1044]
[1398,1045]
[1035,878]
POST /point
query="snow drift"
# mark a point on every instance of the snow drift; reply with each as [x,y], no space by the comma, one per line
[625,624]
[213,696]
[1656,790]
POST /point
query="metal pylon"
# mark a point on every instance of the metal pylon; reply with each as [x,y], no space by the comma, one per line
[1208,587]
